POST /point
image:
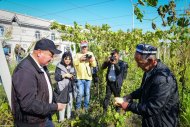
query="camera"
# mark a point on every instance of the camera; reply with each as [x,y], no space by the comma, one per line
[112,58]
[88,56]
[74,76]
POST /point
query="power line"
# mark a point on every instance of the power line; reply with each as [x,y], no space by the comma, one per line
[79,7]
[24,6]
[55,13]
[32,8]
[121,16]
[86,10]
[125,24]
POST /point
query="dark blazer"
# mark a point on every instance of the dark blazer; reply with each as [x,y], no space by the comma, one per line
[159,101]
[30,95]
[120,69]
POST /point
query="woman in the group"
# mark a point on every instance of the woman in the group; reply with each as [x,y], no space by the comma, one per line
[64,75]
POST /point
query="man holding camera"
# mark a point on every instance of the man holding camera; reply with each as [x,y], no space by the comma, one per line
[116,73]
[83,62]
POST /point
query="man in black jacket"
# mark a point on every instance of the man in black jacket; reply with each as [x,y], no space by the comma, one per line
[31,88]
[116,73]
[158,94]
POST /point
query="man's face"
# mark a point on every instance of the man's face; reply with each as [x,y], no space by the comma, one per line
[116,55]
[84,49]
[44,57]
[145,65]
[116,58]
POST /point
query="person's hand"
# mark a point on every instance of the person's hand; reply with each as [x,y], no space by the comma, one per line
[91,59]
[83,58]
[67,75]
[121,102]
[113,61]
[108,59]
[124,105]
[60,106]
[118,101]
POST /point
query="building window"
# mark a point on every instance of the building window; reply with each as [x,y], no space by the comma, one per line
[1,31]
[37,35]
[53,37]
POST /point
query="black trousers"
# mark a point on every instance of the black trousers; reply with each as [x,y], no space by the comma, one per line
[47,123]
[22,124]
[111,87]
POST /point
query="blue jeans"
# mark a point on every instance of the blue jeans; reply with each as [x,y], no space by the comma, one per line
[49,123]
[83,89]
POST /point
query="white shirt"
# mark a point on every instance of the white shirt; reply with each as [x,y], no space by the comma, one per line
[47,80]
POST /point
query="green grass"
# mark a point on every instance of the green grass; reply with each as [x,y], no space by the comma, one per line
[3,96]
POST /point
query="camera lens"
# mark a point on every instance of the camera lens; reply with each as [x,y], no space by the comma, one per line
[112,58]
[88,56]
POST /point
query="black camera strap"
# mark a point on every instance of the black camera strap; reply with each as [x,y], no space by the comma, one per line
[88,71]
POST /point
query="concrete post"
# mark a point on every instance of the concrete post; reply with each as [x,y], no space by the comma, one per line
[5,75]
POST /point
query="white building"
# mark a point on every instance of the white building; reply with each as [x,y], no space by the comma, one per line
[24,30]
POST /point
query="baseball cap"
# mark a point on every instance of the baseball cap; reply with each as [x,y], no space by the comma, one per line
[83,43]
[145,49]
[46,44]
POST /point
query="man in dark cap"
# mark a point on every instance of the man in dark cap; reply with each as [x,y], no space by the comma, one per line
[158,94]
[32,95]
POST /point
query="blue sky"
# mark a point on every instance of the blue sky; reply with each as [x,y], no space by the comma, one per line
[116,13]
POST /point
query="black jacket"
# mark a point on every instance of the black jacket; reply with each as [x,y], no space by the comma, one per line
[64,85]
[120,69]
[158,99]
[30,96]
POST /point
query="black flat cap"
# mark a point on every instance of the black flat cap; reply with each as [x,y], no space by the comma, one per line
[46,44]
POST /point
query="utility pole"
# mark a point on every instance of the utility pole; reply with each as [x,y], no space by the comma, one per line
[132,14]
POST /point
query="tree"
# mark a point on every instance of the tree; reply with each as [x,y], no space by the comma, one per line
[167,13]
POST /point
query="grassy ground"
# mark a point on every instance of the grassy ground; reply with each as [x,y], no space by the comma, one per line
[93,118]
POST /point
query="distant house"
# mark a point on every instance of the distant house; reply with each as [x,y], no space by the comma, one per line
[24,30]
